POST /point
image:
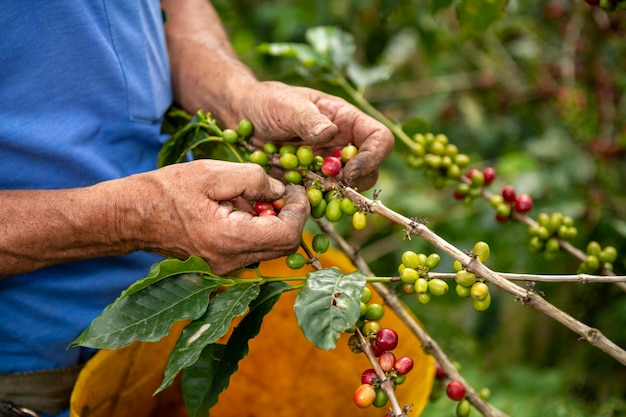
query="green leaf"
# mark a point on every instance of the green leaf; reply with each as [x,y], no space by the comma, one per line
[363,77]
[147,315]
[215,322]
[210,375]
[331,42]
[166,269]
[302,52]
[329,304]
[476,16]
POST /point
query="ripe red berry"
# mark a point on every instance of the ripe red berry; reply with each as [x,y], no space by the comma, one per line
[523,203]
[336,153]
[404,365]
[387,339]
[455,390]
[387,361]
[268,212]
[490,174]
[368,376]
[260,206]
[280,203]
[439,372]
[376,350]
[331,166]
[508,194]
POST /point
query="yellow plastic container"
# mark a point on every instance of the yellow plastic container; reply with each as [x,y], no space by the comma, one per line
[284,374]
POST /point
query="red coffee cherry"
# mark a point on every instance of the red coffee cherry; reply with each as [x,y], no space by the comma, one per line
[387,339]
[523,203]
[331,166]
[508,193]
[455,390]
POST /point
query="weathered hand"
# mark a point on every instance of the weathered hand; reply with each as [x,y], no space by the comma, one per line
[282,113]
[189,209]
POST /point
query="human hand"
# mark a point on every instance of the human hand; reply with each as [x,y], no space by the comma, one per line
[282,113]
[203,208]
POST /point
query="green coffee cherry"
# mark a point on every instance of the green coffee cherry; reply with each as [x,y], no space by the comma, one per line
[421,286]
[423,298]
[482,305]
[409,275]
[367,295]
[479,291]
[437,286]
[463,292]
[465,278]
[433,260]
[410,259]
[482,251]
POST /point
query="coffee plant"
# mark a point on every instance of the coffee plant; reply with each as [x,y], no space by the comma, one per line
[330,302]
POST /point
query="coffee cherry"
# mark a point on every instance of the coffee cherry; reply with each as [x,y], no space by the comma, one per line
[381,399]
[523,203]
[369,377]
[230,136]
[410,259]
[482,305]
[439,372]
[287,148]
[490,174]
[508,194]
[296,261]
[421,286]
[260,206]
[482,251]
[404,365]
[259,158]
[608,254]
[348,152]
[331,166]
[484,393]
[374,312]
[400,379]
[364,396]
[433,260]
[371,327]
[387,339]
[318,211]
[314,195]
[387,360]
[269,148]
[289,161]
[476,177]
[268,212]
[479,291]
[437,286]
[348,206]
[245,127]
[320,243]
[333,210]
[463,408]
[409,276]
[423,298]
[462,291]
[367,295]
[359,221]
[279,203]
[455,390]
[305,155]
[293,177]
[408,289]
[465,278]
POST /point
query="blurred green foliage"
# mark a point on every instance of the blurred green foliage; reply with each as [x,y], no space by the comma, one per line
[541,96]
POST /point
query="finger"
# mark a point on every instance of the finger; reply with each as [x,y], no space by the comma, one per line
[228,180]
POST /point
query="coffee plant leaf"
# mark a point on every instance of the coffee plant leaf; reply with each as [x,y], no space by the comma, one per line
[329,304]
[147,315]
[210,375]
[208,328]
[365,76]
[476,16]
[167,268]
[305,54]
[331,42]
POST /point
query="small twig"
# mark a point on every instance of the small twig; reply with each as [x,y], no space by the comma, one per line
[577,278]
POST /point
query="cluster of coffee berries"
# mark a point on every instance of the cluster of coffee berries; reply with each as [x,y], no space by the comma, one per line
[440,159]
[319,244]
[549,230]
[508,201]
[469,285]
[468,191]
[240,134]
[598,258]
[608,5]
[395,370]
[333,205]
[414,276]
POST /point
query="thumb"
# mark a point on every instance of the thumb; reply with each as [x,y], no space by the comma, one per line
[315,128]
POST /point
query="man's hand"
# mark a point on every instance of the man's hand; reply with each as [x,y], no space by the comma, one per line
[282,113]
[203,208]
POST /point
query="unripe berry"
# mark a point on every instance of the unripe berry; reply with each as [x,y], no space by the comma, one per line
[387,360]
[364,396]
[348,152]
[437,286]
[480,291]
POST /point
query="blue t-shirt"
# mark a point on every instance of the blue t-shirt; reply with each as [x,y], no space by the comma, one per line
[83,88]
